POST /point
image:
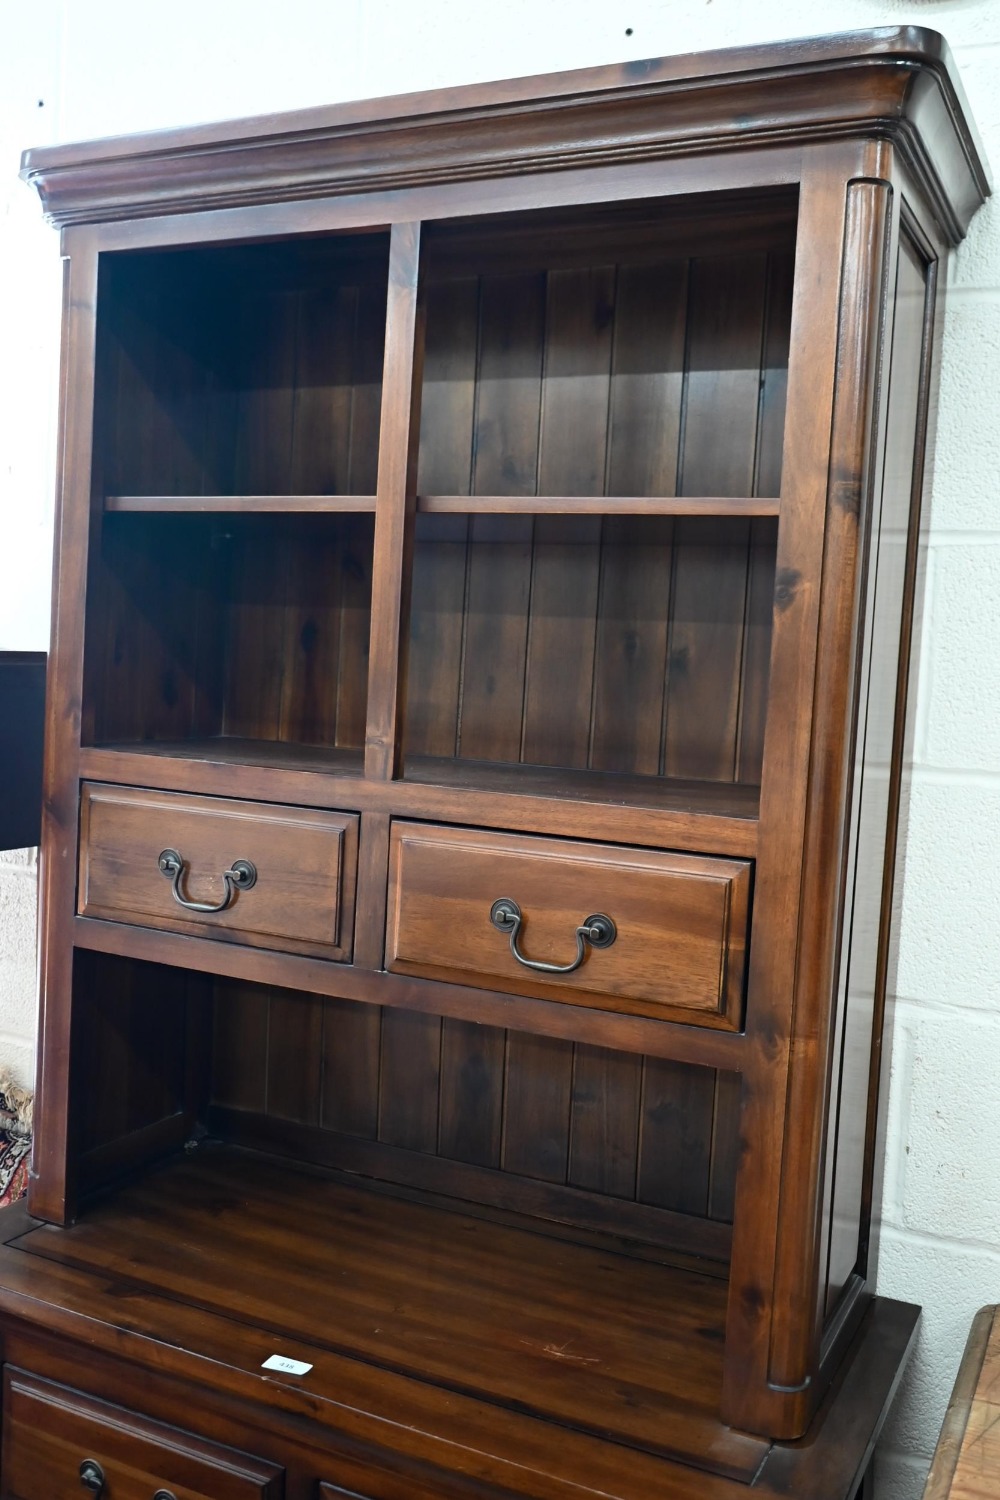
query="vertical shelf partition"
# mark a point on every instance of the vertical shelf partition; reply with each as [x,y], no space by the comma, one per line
[396,503]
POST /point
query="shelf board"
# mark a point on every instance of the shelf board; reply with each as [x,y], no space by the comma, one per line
[598,1341]
[437,505]
[329,760]
[598,505]
[262,504]
[715,798]
[698,816]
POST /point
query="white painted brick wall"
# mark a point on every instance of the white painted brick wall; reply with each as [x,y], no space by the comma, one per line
[113,66]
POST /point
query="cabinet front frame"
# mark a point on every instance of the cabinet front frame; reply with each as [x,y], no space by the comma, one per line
[820,172]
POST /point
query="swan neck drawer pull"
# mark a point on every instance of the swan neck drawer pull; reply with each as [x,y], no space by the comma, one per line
[240,877]
[599,931]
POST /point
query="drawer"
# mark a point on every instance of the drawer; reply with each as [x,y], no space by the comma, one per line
[303,863]
[679,936]
[51,1434]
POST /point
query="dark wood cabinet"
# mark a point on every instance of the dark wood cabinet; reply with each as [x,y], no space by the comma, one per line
[487,568]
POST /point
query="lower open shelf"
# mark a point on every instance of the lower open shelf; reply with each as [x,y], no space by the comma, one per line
[514,1362]
[581,1335]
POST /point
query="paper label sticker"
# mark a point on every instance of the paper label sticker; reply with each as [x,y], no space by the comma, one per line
[286,1366]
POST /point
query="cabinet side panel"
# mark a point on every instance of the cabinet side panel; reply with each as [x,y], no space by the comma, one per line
[877,772]
[140,1040]
[52,1190]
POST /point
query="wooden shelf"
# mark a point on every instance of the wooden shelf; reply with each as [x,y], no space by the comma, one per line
[598,505]
[500,1311]
[714,798]
[729,810]
[436,505]
[265,504]
[329,760]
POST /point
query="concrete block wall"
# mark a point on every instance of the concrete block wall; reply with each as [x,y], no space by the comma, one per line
[69,71]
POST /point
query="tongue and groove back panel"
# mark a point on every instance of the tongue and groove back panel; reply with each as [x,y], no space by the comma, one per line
[246,370]
[629,644]
[634,644]
[585,1136]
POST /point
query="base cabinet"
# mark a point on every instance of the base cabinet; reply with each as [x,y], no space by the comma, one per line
[58,1441]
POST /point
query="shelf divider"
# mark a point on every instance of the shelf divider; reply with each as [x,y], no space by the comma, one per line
[394,517]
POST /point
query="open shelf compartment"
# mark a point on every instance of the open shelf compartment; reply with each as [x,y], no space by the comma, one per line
[249,627]
[609,351]
[247,370]
[525,1195]
[632,651]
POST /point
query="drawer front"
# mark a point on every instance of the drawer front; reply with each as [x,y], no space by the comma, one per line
[680,921]
[57,1441]
[304,865]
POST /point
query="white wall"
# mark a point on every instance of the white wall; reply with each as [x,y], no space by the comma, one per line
[70,69]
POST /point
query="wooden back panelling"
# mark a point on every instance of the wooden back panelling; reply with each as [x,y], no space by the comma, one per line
[553,371]
[242,370]
[252,626]
[553,1126]
[630,644]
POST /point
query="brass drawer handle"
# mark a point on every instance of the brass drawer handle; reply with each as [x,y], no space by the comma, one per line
[92,1476]
[241,877]
[599,931]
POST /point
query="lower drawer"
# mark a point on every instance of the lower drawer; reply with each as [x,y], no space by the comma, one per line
[57,1441]
[507,911]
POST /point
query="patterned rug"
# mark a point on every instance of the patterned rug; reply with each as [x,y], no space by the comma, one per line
[15,1141]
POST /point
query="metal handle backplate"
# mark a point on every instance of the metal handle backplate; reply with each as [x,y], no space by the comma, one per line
[92,1476]
[241,876]
[598,931]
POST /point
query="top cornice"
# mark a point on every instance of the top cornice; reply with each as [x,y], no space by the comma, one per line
[893,83]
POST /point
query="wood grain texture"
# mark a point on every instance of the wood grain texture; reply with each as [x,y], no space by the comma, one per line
[622,809]
[821,279]
[966,1463]
[350,1408]
[573,119]
[305,864]
[681,922]
[633,645]
[396,491]
[251,626]
[602,379]
[53,1189]
[132,1038]
[46,1428]
[704,1046]
[232,370]
[489,1309]
[882,699]
[529,1109]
